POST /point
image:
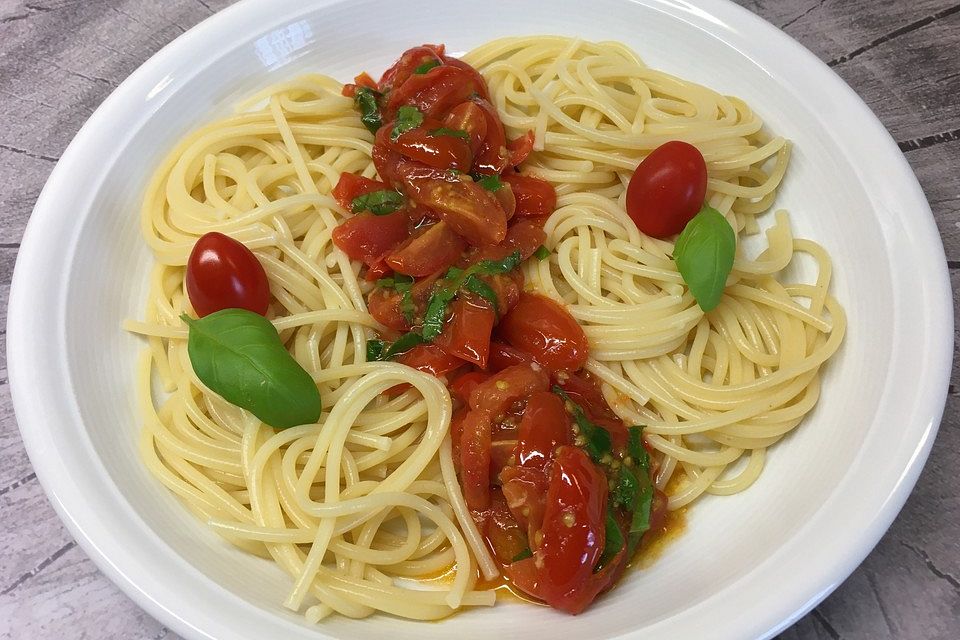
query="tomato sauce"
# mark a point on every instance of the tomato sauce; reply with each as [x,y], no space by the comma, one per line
[559,486]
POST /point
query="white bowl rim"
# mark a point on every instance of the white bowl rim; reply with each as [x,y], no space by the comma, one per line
[111,544]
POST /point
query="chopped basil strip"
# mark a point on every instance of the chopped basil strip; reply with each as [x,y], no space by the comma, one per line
[475,285]
[366,100]
[374,350]
[523,555]
[455,133]
[491,183]
[426,66]
[379,203]
[704,255]
[613,542]
[403,284]
[542,253]
[643,501]
[379,350]
[596,439]
[451,284]
[407,118]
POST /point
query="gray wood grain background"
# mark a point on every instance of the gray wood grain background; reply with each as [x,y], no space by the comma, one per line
[60,58]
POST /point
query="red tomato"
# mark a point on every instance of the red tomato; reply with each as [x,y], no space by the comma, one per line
[465,384]
[223,274]
[377,270]
[520,148]
[438,151]
[493,156]
[524,235]
[466,334]
[573,529]
[434,92]
[430,249]
[503,356]
[585,391]
[525,489]
[351,185]
[478,80]
[497,394]
[431,359]
[543,328]
[368,237]
[502,455]
[384,304]
[545,425]
[468,117]
[535,197]
[408,62]
[507,200]
[667,189]
[475,458]
[503,534]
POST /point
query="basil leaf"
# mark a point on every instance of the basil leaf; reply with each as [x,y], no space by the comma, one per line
[238,355]
[613,542]
[451,283]
[625,490]
[392,282]
[704,254]
[374,350]
[407,118]
[426,66]
[596,439]
[366,100]
[635,448]
[523,555]
[475,285]
[401,345]
[403,284]
[491,183]
[455,133]
[542,253]
[379,203]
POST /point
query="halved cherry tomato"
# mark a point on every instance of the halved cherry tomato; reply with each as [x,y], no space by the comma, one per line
[502,455]
[524,235]
[497,394]
[478,80]
[434,92]
[466,333]
[547,331]
[545,425]
[667,189]
[520,148]
[468,208]
[503,534]
[467,116]
[430,249]
[463,386]
[379,269]
[475,458]
[525,489]
[351,185]
[493,156]
[573,529]
[503,356]
[535,197]
[224,274]
[585,391]
[433,149]
[385,304]
[368,237]
[429,358]
[408,62]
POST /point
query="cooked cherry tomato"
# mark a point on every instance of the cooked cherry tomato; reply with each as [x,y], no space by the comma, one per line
[430,249]
[351,185]
[468,208]
[585,391]
[535,197]
[545,425]
[503,356]
[573,529]
[467,116]
[493,156]
[478,80]
[466,333]
[508,386]
[667,189]
[385,304]
[524,235]
[520,148]
[475,458]
[525,489]
[434,92]
[547,331]
[408,62]
[379,269]
[429,358]
[463,386]
[224,274]
[504,536]
[425,145]
[368,237]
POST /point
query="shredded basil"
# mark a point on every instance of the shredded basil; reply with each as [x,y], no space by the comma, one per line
[407,118]
[597,441]
[380,350]
[523,555]
[643,500]
[542,253]
[403,284]
[426,66]
[475,285]
[613,542]
[491,183]
[455,133]
[379,203]
[374,350]
[366,100]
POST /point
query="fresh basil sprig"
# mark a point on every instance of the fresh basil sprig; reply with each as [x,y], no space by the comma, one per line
[379,203]
[704,254]
[426,66]
[238,355]
[407,118]
[597,441]
[366,100]
[454,133]
[451,284]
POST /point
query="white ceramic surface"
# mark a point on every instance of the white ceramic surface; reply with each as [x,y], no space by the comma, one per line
[746,566]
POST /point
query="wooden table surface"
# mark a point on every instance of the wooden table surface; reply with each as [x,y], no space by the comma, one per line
[60,58]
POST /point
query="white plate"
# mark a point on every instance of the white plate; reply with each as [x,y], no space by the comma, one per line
[747,565]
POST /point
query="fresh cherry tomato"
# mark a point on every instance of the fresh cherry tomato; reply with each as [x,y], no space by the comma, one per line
[224,274]
[535,197]
[368,237]
[544,329]
[667,189]
[475,458]
[498,393]
[351,185]
[466,333]
[573,529]
[585,391]
[545,425]
[430,249]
